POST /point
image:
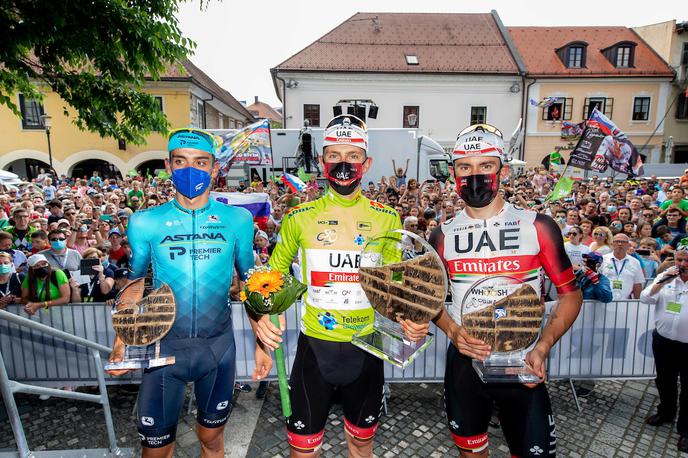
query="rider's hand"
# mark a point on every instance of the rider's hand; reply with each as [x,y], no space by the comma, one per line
[268,333]
[414,331]
[117,356]
[263,363]
[467,345]
[535,359]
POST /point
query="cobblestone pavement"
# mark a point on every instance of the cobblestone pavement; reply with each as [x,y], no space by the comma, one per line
[610,425]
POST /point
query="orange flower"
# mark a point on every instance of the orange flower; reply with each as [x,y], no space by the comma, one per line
[265,283]
[242,296]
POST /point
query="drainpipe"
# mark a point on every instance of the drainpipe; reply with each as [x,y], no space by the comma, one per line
[275,76]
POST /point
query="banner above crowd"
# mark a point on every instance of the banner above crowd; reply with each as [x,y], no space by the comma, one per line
[602,145]
[251,145]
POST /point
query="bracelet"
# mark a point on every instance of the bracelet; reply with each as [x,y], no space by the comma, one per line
[45,305]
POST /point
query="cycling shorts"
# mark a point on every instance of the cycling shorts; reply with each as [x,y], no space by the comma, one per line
[209,364]
[524,413]
[323,369]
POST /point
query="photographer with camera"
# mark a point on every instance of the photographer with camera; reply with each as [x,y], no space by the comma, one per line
[594,284]
[669,294]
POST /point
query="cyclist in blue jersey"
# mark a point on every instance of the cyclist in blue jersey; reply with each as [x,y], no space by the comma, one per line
[193,243]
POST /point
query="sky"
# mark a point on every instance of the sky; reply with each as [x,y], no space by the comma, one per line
[239,41]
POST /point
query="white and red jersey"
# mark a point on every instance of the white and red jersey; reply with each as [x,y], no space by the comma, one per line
[515,243]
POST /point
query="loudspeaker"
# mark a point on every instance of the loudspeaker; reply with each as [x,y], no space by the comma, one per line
[372,112]
[357,110]
[337,110]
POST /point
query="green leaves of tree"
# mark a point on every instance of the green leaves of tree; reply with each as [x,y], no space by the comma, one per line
[96,54]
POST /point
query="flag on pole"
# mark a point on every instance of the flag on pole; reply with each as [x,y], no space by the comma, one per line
[562,189]
[251,145]
[604,145]
[293,182]
[258,203]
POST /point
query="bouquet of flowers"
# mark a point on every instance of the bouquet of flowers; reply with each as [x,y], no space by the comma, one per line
[271,292]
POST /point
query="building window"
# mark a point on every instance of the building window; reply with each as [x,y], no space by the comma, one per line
[559,110]
[478,115]
[641,108]
[158,99]
[311,112]
[411,118]
[575,57]
[684,55]
[198,115]
[411,59]
[31,111]
[682,107]
[623,56]
[594,102]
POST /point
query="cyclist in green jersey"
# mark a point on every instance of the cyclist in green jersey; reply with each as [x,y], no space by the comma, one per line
[329,234]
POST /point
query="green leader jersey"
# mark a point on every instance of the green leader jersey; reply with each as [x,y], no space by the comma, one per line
[328,235]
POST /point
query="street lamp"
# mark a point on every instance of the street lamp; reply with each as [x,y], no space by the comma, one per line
[46,119]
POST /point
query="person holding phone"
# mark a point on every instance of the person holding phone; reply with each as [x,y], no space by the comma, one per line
[100,278]
[669,294]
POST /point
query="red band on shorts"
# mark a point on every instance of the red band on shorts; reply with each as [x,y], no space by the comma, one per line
[358,432]
[305,443]
[471,444]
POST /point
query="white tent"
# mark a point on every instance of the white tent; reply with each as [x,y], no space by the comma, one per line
[9,177]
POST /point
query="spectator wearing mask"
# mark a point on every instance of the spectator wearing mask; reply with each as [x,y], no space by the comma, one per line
[18,257]
[58,255]
[10,282]
[43,286]
[669,294]
[624,271]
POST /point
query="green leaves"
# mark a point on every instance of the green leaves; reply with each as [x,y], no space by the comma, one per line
[96,54]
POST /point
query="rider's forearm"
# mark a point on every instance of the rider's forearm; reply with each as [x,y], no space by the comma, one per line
[560,320]
[445,323]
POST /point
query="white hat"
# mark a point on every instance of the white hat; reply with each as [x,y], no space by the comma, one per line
[479,140]
[35,259]
[346,129]
[262,234]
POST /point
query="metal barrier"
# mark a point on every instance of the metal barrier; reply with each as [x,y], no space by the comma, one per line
[9,387]
[606,341]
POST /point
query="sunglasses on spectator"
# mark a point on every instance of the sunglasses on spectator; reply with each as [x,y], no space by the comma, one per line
[599,234]
[57,239]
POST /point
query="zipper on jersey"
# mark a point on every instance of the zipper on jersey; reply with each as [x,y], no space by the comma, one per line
[194,312]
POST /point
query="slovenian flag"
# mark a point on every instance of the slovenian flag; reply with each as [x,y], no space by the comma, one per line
[293,182]
[258,203]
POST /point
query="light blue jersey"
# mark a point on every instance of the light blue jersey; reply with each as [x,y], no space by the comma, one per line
[195,253]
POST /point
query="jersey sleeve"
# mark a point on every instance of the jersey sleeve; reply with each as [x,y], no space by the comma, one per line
[288,242]
[137,234]
[552,255]
[243,250]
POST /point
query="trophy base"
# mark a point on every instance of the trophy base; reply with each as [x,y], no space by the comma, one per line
[141,358]
[505,371]
[140,363]
[390,346]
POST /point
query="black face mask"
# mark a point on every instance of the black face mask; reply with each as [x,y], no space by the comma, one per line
[478,190]
[344,177]
[41,272]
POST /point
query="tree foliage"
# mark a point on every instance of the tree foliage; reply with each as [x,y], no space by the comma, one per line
[96,54]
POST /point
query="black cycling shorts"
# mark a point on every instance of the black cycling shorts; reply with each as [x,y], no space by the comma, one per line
[210,364]
[322,368]
[524,413]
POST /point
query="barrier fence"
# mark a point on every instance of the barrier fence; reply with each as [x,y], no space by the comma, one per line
[606,341]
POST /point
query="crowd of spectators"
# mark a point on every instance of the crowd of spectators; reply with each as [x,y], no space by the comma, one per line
[50,224]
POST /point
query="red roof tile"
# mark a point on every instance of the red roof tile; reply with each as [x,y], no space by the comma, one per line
[379,42]
[537,46]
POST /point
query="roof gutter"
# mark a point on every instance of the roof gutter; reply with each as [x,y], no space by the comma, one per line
[282,96]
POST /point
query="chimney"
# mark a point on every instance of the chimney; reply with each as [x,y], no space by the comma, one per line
[256,98]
